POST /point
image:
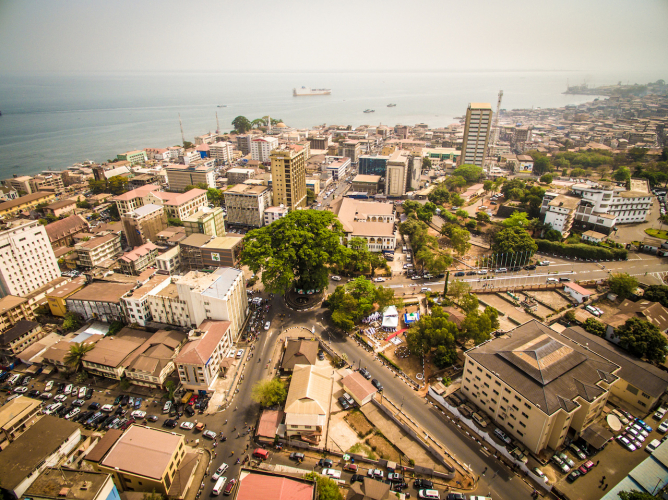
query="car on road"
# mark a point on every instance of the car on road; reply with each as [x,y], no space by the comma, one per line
[416,277]
[377,385]
[170,422]
[152,418]
[267,325]
[138,414]
[471,273]
[325,462]
[336,278]
[408,266]
[460,273]
[118,399]
[219,471]
[296,456]
[551,280]
[422,483]
[502,436]
[502,270]
[530,268]
[544,263]
[209,434]
[335,473]
[564,280]
[431,495]
[482,271]
[21,389]
[365,373]
[321,356]
[230,487]
[379,280]
[539,473]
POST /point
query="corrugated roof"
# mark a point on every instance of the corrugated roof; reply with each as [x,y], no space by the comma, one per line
[258,485]
[299,352]
[310,390]
[358,387]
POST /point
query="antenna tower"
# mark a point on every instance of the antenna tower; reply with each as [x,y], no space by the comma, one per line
[495,131]
[183,137]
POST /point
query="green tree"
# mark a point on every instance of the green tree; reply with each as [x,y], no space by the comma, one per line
[455,182]
[469,303]
[97,187]
[458,289]
[457,200]
[622,174]
[578,172]
[189,187]
[657,293]
[635,495]
[215,196]
[426,163]
[269,392]
[622,284]
[170,385]
[471,225]
[594,326]
[482,217]
[514,240]
[296,249]
[643,339]
[241,124]
[76,354]
[541,165]
[152,496]
[445,356]
[430,331]
[72,321]
[462,213]
[637,154]
[117,184]
[547,178]
[459,238]
[310,196]
[172,221]
[327,488]
[517,219]
[477,326]
[471,173]
[488,186]
[553,235]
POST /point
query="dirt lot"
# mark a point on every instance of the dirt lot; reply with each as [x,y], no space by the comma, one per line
[541,310]
[551,298]
[507,308]
[411,365]
[359,423]
[384,449]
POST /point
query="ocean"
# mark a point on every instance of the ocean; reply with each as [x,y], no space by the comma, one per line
[53,121]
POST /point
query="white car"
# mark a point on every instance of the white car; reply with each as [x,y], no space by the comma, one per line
[60,398]
[267,325]
[219,472]
[48,386]
[663,427]
[652,446]
[552,280]
[53,408]
[544,263]
[336,278]
[379,280]
[67,390]
[482,271]
[73,413]
[187,425]
[22,389]
[336,474]
[138,414]
[107,408]
[82,392]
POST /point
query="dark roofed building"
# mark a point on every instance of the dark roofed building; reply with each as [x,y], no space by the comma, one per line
[20,336]
[369,489]
[61,233]
[537,383]
[652,312]
[299,352]
[62,483]
[100,301]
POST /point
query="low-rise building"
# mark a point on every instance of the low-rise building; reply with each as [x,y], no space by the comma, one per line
[593,236]
[133,157]
[62,232]
[57,297]
[45,444]
[246,204]
[132,200]
[8,193]
[99,301]
[135,302]
[369,184]
[372,221]
[578,293]
[94,251]
[299,351]
[20,183]
[307,406]
[139,259]
[181,176]
[113,354]
[169,262]
[153,362]
[20,336]
[339,167]
[222,152]
[201,359]
[143,224]
[61,207]
[14,309]
[17,416]
[359,388]
[59,483]
[206,220]
[239,175]
[255,483]
[274,213]
[652,312]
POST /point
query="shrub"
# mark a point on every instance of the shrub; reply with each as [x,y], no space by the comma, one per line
[581,250]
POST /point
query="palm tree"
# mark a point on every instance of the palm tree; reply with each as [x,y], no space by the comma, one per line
[258,122]
[75,357]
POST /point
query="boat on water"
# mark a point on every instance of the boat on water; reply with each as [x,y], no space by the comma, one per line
[309,91]
[391,105]
[222,105]
[369,110]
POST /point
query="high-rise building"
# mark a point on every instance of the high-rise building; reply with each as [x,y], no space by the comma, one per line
[221,152]
[244,143]
[27,261]
[246,204]
[476,133]
[288,176]
[261,148]
[397,174]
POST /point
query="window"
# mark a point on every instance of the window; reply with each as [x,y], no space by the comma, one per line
[505,389]
[505,399]
[495,392]
[528,406]
[523,424]
[511,425]
[525,415]
[497,383]
[631,389]
[646,396]
[517,398]
[520,433]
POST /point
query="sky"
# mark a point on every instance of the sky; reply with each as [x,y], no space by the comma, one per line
[83,36]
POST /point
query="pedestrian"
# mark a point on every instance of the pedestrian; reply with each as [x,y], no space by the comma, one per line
[598,462]
[603,480]
[605,487]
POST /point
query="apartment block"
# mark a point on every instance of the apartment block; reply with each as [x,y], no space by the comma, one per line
[206,220]
[134,157]
[139,259]
[627,205]
[25,203]
[180,176]
[27,261]
[351,149]
[476,134]
[201,251]
[95,251]
[246,204]
[373,165]
[200,361]
[339,167]
[135,302]
[169,262]
[19,337]
[16,416]
[274,213]
[262,147]
[14,309]
[222,152]
[47,181]
[143,224]
[239,175]
[21,184]
[132,200]
[244,144]
[288,172]
[396,176]
[537,384]
[321,142]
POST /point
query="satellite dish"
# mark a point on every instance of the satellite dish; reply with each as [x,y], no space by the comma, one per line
[613,422]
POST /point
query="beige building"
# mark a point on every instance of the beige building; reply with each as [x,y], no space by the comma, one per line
[222,152]
[27,262]
[371,220]
[16,417]
[135,302]
[537,384]
[366,183]
[100,301]
[352,149]
[206,220]
[14,309]
[143,224]
[25,203]
[95,251]
[19,337]
[21,184]
[132,200]
[288,174]
[169,262]
[204,356]
[246,204]
[61,207]
[476,134]
[52,182]
[396,174]
[307,406]
[154,360]
[239,175]
[181,176]
[201,251]
[139,259]
[272,214]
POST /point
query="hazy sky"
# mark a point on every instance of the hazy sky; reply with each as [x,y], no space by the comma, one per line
[340,35]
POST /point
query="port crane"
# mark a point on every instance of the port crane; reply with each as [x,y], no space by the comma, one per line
[491,148]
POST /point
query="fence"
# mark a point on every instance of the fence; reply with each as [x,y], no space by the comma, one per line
[488,440]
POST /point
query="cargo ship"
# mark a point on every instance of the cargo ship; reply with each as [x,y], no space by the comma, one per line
[310,91]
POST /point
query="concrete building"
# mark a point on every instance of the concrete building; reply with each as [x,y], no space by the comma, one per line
[139,259]
[95,251]
[58,483]
[179,205]
[339,167]
[62,232]
[476,134]
[57,297]
[61,207]
[133,157]
[288,174]
[143,224]
[627,205]
[537,384]
[200,361]
[351,149]
[320,142]
[153,362]
[246,204]
[373,165]
[16,416]
[370,220]
[201,251]
[359,388]
[25,203]
[307,406]
[135,302]
[262,147]
[369,184]
[47,181]
[20,336]
[646,310]
[143,180]
[20,184]
[221,152]
[27,261]
[396,177]
[14,309]
[206,220]
[8,193]
[239,175]
[132,200]
[169,262]
[299,351]
[198,296]
[100,301]
[577,292]
[180,176]
[47,443]
[274,213]
[254,482]
[244,144]
[209,138]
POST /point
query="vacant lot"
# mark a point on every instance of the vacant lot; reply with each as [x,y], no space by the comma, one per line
[506,308]
[553,299]
[359,423]
[384,448]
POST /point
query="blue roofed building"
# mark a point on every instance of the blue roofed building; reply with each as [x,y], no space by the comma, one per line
[650,476]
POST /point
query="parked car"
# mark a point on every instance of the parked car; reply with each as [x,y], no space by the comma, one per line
[573,476]
[296,456]
[377,385]
[187,425]
[626,443]
[344,404]
[334,473]
[152,418]
[94,406]
[663,427]
[567,460]
[171,423]
[652,446]
[460,273]
[660,413]
[325,462]
[577,451]
[365,373]
[336,278]
[356,478]
[560,464]
[502,436]
[540,474]
[422,483]
[209,434]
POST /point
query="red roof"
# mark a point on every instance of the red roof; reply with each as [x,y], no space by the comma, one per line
[579,289]
[259,486]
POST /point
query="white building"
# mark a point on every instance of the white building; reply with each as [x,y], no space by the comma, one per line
[221,152]
[370,220]
[180,176]
[261,148]
[274,213]
[197,296]
[476,133]
[246,204]
[339,167]
[577,292]
[169,262]
[135,302]
[27,261]
[396,174]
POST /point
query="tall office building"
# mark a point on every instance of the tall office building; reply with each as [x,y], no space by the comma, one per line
[476,133]
[27,261]
[288,176]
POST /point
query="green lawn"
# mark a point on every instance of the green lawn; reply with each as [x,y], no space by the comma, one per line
[657,233]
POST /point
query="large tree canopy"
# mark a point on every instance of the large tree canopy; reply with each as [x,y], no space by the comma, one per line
[641,338]
[295,249]
[358,298]
[514,240]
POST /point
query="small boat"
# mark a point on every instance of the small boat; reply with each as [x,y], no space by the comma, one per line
[391,105]
[369,110]
[222,105]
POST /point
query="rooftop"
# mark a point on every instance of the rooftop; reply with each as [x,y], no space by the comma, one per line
[9,302]
[114,350]
[562,200]
[8,205]
[104,445]
[373,179]
[61,204]
[372,229]
[15,410]
[143,451]
[69,288]
[310,390]
[63,484]
[300,352]
[20,327]
[138,252]
[200,350]
[359,387]
[146,210]
[261,485]
[102,292]
[140,192]
[247,189]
